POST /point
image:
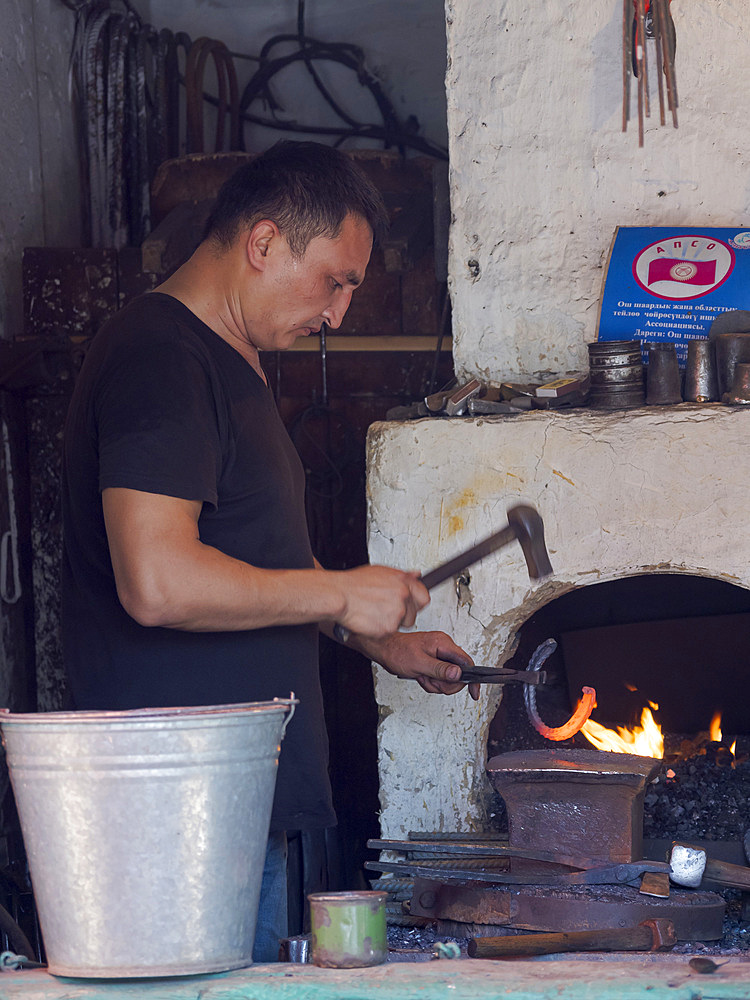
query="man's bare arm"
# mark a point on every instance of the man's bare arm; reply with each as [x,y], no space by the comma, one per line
[166,576]
[431,658]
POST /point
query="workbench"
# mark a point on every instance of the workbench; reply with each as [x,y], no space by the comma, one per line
[599,977]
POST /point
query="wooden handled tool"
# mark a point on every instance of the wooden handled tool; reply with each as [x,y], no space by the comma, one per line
[690,865]
[651,935]
[524,526]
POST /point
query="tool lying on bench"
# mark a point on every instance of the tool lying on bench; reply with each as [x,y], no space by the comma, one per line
[690,865]
[627,873]
[650,935]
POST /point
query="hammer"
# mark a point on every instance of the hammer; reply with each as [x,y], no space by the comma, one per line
[690,865]
[650,935]
[525,526]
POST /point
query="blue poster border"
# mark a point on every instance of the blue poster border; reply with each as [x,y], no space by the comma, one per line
[666,284]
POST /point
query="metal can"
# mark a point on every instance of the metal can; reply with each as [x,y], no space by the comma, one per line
[348,929]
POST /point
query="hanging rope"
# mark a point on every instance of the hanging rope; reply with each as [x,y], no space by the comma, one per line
[227,99]
[124,84]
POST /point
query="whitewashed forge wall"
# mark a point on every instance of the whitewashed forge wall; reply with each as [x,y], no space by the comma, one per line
[541,173]
[655,490]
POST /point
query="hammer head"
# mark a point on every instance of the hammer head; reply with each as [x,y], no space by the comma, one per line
[688,865]
[528,527]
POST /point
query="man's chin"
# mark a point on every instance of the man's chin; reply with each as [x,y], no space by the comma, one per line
[289,339]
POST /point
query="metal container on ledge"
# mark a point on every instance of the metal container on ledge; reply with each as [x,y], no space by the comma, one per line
[348,929]
[617,375]
[701,381]
[739,394]
[732,349]
[663,376]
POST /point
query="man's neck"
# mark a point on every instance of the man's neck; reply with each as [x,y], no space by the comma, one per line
[201,285]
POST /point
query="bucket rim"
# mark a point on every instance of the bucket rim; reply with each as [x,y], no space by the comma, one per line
[93,716]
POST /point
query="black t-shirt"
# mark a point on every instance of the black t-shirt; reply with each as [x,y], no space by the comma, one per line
[164,405]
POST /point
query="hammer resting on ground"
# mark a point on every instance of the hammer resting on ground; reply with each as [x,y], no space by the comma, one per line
[525,526]
[690,865]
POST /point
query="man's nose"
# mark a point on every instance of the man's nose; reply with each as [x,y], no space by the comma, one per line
[335,312]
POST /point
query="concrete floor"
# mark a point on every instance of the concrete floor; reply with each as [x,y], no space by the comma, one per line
[602,977]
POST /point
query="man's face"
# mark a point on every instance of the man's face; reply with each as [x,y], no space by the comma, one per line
[302,293]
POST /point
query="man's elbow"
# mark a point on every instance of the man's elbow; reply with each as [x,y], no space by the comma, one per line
[149,606]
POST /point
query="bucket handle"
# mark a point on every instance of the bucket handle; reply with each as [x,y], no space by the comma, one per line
[291,703]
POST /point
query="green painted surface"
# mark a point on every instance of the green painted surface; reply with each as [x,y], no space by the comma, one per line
[643,978]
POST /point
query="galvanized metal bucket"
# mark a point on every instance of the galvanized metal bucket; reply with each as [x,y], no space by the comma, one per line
[146,832]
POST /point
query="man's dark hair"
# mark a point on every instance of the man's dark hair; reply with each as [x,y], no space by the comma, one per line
[306,188]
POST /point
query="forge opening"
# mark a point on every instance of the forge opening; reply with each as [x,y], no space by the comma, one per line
[679,641]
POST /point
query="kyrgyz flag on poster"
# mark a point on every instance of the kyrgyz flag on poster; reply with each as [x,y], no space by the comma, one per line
[691,272]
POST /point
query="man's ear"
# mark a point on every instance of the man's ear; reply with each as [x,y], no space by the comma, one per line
[260,242]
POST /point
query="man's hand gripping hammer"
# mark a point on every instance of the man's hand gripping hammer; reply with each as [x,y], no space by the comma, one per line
[525,526]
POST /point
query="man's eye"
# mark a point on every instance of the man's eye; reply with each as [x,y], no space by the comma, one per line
[336,285]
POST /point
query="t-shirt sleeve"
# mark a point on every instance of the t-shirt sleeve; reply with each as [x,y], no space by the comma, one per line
[156,418]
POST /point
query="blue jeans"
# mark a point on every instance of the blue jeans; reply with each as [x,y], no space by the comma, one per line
[272,911]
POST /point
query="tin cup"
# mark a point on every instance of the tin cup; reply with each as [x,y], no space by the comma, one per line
[663,376]
[701,382]
[348,929]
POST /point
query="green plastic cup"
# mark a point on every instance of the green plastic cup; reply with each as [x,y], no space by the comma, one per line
[348,929]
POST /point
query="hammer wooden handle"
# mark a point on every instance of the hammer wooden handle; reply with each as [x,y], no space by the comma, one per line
[524,526]
[644,937]
[734,876]
[447,569]
[469,557]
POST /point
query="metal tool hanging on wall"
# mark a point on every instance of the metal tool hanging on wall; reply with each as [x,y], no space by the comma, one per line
[644,21]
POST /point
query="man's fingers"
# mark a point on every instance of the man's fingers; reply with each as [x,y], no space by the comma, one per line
[381,600]
[417,599]
[448,671]
[420,594]
[433,686]
[448,651]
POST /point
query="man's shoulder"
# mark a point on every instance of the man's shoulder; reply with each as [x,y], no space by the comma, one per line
[153,311]
[152,321]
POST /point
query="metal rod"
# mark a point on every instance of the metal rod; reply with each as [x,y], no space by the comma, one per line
[638,59]
[644,56]
[324,362]
[626,19]
[655,20]
[668,56]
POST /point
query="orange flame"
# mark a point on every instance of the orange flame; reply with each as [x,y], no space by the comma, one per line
[645,740]
[714,730]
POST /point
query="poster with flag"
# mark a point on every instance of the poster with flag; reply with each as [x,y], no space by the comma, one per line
[670,284]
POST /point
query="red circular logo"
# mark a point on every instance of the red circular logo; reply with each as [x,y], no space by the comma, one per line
[685,266]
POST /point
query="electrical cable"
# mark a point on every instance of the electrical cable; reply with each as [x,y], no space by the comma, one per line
[124,82]
[391,132]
